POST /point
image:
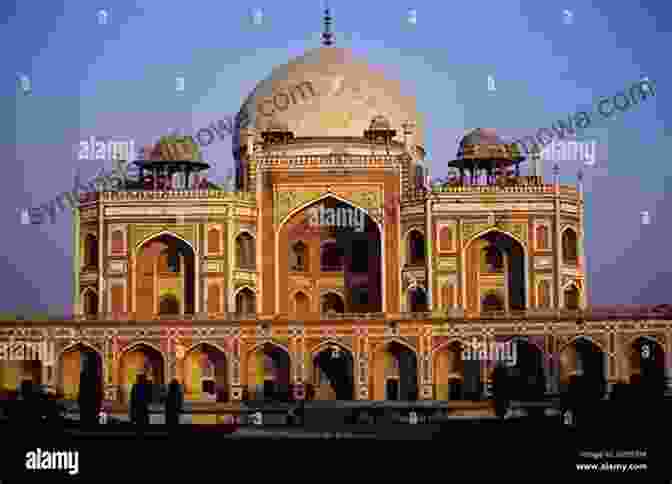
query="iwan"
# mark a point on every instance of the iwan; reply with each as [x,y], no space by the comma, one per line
[342,217]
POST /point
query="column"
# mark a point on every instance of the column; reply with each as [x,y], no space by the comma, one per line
[101,253]
[198,260]
[155,298]
[429,259]
[76,259]
[183,280]
[557,246]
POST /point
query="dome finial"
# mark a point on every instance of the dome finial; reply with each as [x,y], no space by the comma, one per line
[327,35]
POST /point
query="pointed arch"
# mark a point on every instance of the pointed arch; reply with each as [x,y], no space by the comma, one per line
[400,341]
[446,344]
[131,347]
[582,337]
[307,204]
[159,234]
[480,234]
[214,346]
[317,349]
[270,342]
[81,343]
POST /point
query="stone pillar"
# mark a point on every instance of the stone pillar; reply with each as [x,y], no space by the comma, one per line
[198,261]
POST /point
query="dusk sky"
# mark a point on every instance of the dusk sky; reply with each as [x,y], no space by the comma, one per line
[118,80]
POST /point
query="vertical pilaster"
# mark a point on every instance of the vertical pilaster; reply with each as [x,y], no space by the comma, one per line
[557,252]
[198,262]
[429,239]
[102,300]
[76,258]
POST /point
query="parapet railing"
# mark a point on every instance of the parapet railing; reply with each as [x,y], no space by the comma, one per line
[455,314]
[173,194]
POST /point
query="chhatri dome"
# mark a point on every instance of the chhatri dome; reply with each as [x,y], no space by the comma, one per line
[327,92]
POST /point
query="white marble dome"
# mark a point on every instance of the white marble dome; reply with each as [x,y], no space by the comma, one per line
[327,92]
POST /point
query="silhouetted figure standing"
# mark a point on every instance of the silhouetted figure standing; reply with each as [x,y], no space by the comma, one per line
[29,404]
[140,401]
[174,403]
[90,395]
[501,391]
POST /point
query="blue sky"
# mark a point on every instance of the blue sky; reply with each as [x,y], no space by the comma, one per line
[119,80]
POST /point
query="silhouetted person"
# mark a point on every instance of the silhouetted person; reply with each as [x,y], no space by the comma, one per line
[501,391]
[30,411]
[140,401]
[90,396]
[174,403]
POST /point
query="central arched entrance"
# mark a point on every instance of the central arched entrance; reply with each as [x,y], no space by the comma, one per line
[395,372]
[164,277]
[333,373]
[495,263]
[337,247]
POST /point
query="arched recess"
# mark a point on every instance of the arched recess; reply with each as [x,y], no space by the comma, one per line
[90,251]
[245,300]
[205,374]
[448,370]
[417,299]
[164,275]
[415,247]
[515,273]
[332,302]
[333,366]
[269,367]
[301,304]
[141,358]
[245,244]
[570,246]
[364,253]
[524,361]
[645,364]
[90,301]
[571,297]
[395,371]
[583,362]
[299,257]
[72,361]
